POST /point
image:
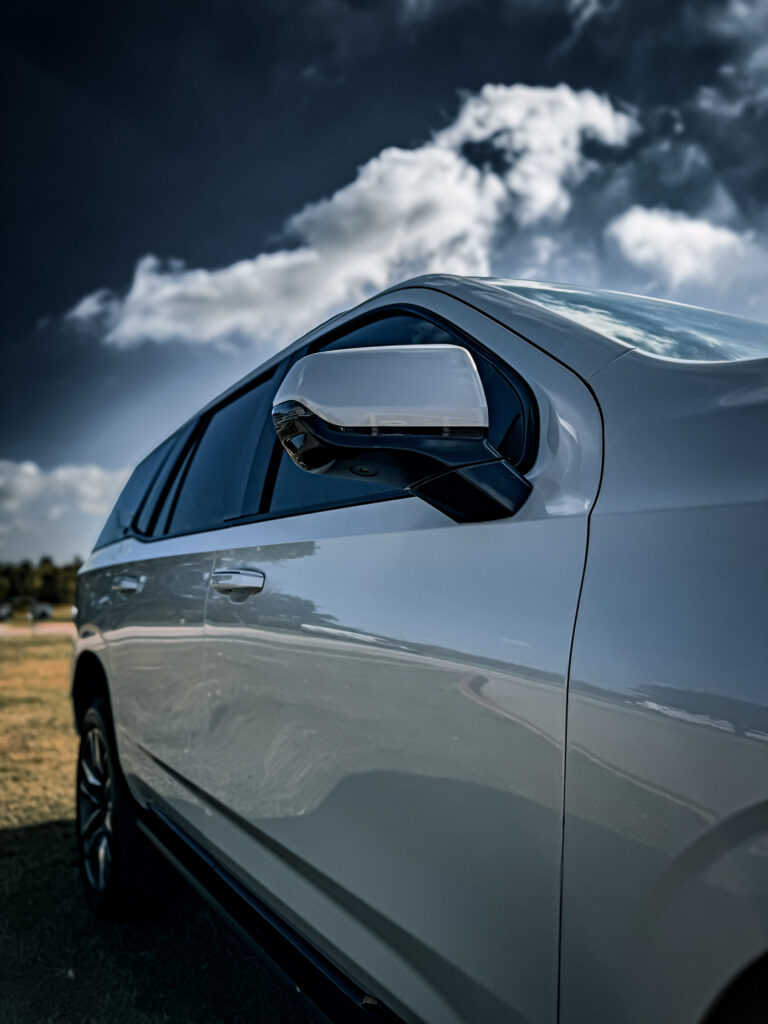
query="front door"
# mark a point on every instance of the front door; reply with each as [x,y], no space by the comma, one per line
[384,755]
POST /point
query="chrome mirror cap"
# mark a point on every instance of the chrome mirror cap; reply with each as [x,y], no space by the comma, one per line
[408,417]
[407,386]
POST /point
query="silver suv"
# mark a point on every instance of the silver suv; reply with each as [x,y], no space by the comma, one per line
[434,652]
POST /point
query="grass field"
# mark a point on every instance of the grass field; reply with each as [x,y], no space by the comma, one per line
[58,964]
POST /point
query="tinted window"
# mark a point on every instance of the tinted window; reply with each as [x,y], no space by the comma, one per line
[295,490]
[214,481]
[397,329]
[120,518]
[162,517]
[145,519]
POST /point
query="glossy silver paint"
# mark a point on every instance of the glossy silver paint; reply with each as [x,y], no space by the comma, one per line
[376,741]
[666,839]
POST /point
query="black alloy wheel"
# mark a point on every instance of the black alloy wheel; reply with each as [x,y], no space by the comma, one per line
[95,808]
[123,875]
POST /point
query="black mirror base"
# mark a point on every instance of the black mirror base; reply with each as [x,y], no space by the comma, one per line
[471,494]
[455,471]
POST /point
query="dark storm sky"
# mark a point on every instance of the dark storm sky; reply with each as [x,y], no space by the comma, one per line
[184,130]
[194,131]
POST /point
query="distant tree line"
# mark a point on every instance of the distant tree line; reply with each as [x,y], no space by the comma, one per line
[46,581]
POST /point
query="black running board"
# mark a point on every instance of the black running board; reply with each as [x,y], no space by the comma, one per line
[326,987]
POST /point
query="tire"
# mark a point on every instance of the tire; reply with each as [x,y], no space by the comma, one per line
[119,867]
[745,1002]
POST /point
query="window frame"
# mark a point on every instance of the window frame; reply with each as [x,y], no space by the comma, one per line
[270,449]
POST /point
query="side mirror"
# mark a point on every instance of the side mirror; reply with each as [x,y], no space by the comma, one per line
[411,417]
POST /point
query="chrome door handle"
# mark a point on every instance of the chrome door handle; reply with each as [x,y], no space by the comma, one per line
[128,584]
[226,581]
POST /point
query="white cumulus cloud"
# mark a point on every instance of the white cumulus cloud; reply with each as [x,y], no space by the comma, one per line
[57,511]
[691,258]
[89,490]
[508,162]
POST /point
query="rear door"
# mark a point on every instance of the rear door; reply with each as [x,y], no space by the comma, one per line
[385,720]
[159,587]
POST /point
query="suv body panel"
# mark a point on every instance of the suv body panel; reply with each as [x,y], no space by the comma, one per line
[666,829]
[664,887]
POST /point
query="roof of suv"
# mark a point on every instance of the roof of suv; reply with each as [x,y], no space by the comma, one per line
[657,327]
[616,321]
[580,327]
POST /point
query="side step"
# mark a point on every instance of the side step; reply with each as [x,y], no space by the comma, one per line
[326,987]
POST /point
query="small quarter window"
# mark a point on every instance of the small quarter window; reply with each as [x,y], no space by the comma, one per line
[122,515]
[147,513]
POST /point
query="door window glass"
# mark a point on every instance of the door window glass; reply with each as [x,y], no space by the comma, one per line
[162,519]
[298,491]
[395,329]
[507,422]
[213,482]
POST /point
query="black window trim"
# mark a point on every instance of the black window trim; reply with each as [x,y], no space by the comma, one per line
[176,479]
[279,369]
[187,432]
[130,529]
[187,456]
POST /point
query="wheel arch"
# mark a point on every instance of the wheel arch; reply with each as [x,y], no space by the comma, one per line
[89,684]
[744,997]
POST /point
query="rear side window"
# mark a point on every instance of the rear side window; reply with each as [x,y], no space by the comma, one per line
[213,481]
[122,515]
[144,522]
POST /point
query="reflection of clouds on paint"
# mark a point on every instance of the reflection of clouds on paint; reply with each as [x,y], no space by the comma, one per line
[687,716]
[656,326]
[699,719]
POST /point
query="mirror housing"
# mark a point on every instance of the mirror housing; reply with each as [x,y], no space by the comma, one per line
[411,417]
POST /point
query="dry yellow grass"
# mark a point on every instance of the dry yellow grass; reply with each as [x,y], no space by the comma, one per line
[59,964]
[38,744]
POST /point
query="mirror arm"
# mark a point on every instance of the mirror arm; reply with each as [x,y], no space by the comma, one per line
[471,494]
[456,471]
